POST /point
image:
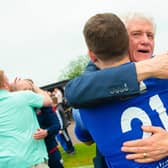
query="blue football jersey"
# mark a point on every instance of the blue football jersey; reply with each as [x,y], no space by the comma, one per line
[112,124]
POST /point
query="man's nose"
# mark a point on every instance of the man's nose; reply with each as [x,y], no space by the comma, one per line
[145,39]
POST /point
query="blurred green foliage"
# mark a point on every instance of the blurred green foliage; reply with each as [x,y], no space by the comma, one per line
[74,68]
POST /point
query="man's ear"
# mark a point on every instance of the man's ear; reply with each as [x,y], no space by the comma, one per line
[92,56]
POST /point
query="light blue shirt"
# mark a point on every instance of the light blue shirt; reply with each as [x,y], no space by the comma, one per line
[18,123]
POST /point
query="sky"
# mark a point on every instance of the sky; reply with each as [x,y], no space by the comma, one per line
[39,38]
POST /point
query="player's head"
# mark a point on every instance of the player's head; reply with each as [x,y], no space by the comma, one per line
[106,37]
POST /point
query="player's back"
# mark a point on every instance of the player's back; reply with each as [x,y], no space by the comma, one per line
[112,124]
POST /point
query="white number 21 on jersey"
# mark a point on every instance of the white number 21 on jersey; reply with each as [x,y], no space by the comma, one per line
[134,112]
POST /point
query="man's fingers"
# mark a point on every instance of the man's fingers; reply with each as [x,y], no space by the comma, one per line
[37,136]
[139,158]
[144,142]
[134,149]
[152,129]
[135,156]
[135,143]
[146,160]
[17,79]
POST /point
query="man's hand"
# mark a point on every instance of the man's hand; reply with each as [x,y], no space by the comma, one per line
[148,149]
[40,134]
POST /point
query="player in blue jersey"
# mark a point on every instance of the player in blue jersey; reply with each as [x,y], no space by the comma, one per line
[107,41]
[140,28]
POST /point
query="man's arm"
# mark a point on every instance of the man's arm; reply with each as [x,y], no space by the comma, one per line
[47,99]
[51,121]
[80,131]
[156,67]
[100,85]
[95,86]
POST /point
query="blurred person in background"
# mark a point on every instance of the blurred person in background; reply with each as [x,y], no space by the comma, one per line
[63,136]
[49,125]
[18,123]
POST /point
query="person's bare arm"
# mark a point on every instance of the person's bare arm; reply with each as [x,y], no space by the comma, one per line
[154,147]
[156,67]
[47,99]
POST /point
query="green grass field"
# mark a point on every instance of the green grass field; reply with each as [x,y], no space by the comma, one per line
[82,158]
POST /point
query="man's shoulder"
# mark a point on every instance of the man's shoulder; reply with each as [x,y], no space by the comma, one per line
[163,83]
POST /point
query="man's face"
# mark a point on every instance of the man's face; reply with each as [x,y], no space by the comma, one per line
[141,39]
[21,85]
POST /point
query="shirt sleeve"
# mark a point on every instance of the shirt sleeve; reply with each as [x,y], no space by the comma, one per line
[32,99]
[51,121]
[80,130]
[95,86]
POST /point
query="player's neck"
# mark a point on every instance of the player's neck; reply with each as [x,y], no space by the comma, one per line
[113,63]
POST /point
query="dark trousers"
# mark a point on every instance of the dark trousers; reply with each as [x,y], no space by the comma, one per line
[55,160]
